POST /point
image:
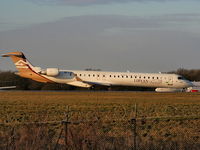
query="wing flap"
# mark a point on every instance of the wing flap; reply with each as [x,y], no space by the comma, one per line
[98,83]
[79,84]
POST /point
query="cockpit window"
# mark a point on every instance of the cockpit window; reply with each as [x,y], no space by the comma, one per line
[181,78]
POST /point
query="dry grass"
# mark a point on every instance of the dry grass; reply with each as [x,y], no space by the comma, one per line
[52,106]
[113,110]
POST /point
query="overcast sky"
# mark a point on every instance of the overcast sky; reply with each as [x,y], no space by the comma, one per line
[112,35]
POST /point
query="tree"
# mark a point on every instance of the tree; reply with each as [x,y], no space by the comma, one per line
[9,78]
[192,75]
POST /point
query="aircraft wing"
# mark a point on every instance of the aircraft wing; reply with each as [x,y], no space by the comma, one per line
[7,87]
[98,83]
[93,83]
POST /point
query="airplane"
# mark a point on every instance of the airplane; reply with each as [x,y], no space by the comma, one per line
[163,82]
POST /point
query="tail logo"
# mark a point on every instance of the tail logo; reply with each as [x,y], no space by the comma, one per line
[21,64]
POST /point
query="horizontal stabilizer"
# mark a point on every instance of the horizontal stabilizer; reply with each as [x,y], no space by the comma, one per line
[16,54]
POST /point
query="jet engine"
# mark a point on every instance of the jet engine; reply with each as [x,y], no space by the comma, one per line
[38,69]
[52,72]
[165,90]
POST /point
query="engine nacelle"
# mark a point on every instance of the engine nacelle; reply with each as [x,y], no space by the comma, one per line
[37,69]
[52,72]
[163,90]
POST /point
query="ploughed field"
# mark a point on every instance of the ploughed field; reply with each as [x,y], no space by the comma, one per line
[171,120]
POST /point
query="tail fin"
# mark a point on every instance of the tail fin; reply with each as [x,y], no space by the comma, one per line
[24,67]
[19,60]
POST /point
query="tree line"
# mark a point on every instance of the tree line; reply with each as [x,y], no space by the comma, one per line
[8,78]
[192,74]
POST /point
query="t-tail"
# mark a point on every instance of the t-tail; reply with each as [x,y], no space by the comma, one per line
[25,68]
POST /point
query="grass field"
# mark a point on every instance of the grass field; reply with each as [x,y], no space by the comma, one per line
[52,106]
[113,109]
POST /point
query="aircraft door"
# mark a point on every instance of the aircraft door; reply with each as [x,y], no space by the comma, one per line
[170,80]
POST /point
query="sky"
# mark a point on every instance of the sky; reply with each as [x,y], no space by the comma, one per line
[111,35]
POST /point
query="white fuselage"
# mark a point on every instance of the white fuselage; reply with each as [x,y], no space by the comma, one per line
[158,80]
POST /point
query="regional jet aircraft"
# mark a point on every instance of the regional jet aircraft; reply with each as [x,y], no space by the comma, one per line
[88,79]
